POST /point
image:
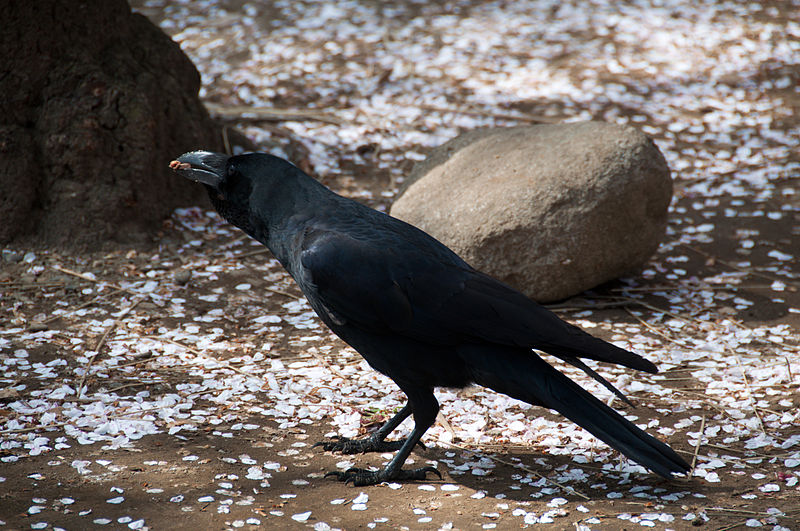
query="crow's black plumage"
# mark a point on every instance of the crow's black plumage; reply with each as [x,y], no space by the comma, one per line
[414,310]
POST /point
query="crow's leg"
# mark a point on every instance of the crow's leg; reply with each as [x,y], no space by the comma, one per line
[375,442]
[424,406]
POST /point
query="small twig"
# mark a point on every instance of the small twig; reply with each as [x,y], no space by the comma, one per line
[226,247]
[245,113]
[30,285]
[739,511]
[74,273]
[653,329]
[34,428]
[742,269]
[628,289]
[729,319]
[699,443]
[100,344]
[685,286]
[706,400]
[722,458]
[141,359]
[253,253]
[750,395]
[565,488]
[732,526]
[199,354]
[498,116]
[325,362]
[285,293]
[90,279]
[82,306]
[132,384]
[588,306]
[445,424]
[657,309]
[767,339]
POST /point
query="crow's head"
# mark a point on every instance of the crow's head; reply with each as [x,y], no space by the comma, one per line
[203,167]
[228,187]
[243,187]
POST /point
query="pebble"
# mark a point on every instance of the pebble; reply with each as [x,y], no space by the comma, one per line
[182,276]
[11,257]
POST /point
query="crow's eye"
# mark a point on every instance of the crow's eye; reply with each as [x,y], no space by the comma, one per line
[231,170]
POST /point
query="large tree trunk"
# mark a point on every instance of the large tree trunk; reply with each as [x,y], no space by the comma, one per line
[96,101]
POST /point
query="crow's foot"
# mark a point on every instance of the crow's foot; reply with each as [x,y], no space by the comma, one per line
[361,477]
[359,446]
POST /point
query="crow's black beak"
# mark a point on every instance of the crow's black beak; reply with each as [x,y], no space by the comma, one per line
[202,166]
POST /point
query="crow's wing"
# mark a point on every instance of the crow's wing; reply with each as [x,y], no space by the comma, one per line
[421,289]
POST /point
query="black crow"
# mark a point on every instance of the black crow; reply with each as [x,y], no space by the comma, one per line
[414,310]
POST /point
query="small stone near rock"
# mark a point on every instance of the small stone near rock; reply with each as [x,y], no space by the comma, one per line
[38,327]
[71,287]
[183,276]
[11,257]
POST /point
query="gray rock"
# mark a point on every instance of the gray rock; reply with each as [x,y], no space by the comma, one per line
[552,210]
[183,276]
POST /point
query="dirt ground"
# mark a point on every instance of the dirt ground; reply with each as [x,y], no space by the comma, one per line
[203,477]
[182,385]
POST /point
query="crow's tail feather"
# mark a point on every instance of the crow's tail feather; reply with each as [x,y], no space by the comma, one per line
[523,375]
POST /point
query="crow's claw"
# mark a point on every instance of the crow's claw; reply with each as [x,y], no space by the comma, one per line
[327,445]
[361,477]
[359,446]
[354,475]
